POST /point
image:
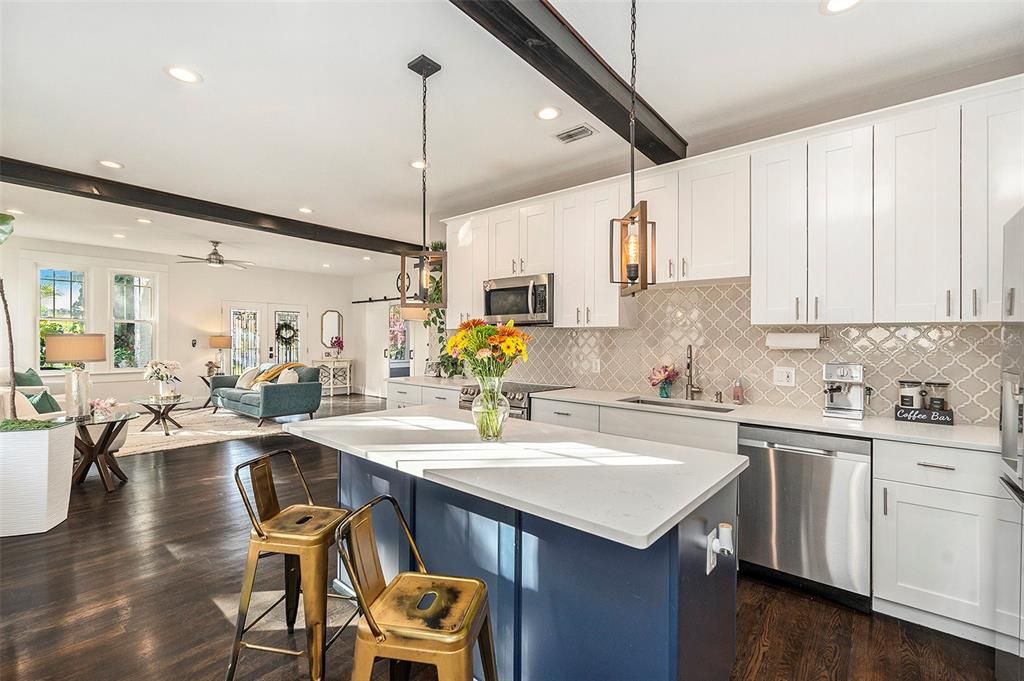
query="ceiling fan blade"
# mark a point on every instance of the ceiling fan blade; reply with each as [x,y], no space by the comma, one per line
[192,257]
[233,265]
[240,262]
[199,261]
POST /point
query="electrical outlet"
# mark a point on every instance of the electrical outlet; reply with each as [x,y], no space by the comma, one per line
[595,365]
[712,561]
[784,376]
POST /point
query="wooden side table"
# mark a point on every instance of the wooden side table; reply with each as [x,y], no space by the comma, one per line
[335,376]
[98,451]
[209,397]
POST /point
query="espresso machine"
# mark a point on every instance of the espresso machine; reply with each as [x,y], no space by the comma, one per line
[845,392]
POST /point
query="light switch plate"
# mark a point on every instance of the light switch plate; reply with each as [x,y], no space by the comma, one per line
[595,365]
[784,376]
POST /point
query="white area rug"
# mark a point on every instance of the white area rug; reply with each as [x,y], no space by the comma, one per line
[199,426]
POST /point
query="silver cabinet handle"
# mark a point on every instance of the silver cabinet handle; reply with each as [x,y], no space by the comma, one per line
[588,315]
[815,308]
[670,268]
[438,397]
[885,501]
[401,392]
[682,268]
[949,302]
[797,300]
[561,413]
[513,265]
[974,301]
[577,316]
[940,466]
[1009,307]
[522,265]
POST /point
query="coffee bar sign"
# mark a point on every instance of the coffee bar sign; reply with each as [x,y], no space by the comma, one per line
[940,417]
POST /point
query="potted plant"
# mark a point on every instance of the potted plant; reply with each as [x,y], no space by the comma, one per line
[164,373]
[435,322]
[489,351]
[36,457]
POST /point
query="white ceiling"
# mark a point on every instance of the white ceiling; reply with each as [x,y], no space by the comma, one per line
[311,103]
[74,220]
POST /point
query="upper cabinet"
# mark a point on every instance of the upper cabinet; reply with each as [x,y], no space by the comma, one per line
[917,217]
[839,228]
[992,158]
[714,219]
[522,240]
[467,268]
[661,192]
[778,235]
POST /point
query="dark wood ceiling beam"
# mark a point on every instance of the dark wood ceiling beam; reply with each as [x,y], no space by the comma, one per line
[87,186]
[535,31]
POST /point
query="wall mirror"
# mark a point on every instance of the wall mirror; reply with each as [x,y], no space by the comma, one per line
[331,324]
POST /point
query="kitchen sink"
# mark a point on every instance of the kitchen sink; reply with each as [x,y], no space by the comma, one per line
[678,405]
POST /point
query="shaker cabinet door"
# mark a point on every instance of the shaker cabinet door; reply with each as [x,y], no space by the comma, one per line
[661,192]
[459,244]
[536,239]
[917,217]
[839,228]
[571,260]
[778,235]
[504,228]
[714,219]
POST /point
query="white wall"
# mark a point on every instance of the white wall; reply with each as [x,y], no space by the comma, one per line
[193,300]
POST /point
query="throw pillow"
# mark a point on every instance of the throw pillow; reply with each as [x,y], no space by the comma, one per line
[27,378]
[44,403]
[247,378]
[21,403]
[288,376]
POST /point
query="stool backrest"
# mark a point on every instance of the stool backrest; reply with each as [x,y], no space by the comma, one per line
[357,547]
[261,476]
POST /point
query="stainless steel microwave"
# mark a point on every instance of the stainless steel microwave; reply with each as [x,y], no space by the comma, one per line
[527,300]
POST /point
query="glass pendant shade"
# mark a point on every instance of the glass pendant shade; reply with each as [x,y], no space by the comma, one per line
[633,241]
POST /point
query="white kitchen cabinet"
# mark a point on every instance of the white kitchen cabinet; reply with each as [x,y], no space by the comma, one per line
[714,219]
[522,240]
[568,414]
[778,235]
[933,549]
[992,158]
[689,431]
[661,191]
[585,295]
[917,217]
[839,228]
[468,266]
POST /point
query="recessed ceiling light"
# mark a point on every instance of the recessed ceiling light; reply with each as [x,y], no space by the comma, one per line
[837,6]
[15,211]
[112,164]
[119,236]
[419,164]
[305,210]
[144,221]
[326,264]
[549,113]
[183,74]
[366,257]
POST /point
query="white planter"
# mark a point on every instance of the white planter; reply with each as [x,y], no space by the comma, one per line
[35,479]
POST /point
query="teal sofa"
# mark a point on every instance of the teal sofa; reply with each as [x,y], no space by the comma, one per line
[284,399]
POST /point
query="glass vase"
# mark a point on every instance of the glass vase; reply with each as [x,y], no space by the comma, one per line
[490,408]
[665,389]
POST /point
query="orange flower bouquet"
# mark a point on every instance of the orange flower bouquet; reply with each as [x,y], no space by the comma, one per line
[490,351]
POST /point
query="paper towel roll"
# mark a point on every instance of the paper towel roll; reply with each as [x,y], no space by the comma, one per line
[793,341]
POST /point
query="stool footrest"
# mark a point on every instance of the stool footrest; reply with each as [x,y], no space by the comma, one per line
[272,649]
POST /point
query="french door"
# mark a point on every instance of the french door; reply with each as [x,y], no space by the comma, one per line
[264,332]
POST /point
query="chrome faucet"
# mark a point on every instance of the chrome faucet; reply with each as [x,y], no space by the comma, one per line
[691,389]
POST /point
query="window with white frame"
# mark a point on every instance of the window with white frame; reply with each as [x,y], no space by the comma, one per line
[62,307]
[134,319]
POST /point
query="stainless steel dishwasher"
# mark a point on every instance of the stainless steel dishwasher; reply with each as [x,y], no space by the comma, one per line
[805,507]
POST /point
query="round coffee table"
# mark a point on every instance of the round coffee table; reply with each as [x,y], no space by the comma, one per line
[160,409]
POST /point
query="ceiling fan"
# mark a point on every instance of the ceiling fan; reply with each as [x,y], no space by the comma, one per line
[215,259]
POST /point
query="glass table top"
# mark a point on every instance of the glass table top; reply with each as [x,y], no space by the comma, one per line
[158,401]
[100,419]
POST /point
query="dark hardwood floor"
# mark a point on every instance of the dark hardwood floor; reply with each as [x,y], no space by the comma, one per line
[142,583]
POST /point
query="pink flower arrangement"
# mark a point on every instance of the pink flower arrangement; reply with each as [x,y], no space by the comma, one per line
[337,343]
[666,373]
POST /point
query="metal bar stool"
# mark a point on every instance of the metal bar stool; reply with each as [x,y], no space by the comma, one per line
[303,534]
[418,617]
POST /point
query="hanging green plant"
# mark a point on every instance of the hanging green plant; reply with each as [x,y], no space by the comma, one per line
[286,334]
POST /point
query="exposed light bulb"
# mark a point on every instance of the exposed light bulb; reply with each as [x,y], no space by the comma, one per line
[633,257]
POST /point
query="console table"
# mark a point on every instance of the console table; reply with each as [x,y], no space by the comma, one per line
[335,376]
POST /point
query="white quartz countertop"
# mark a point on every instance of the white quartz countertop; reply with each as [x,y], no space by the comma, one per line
[982,438]
[433,381]
[625,490]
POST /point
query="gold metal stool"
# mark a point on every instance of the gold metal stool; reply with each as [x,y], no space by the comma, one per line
[303,534]
[418,617]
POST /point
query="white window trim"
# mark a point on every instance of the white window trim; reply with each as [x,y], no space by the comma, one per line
[155,321]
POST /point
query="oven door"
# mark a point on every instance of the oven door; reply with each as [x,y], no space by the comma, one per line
[527,301]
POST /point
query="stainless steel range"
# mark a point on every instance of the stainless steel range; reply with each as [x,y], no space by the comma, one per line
[517,394]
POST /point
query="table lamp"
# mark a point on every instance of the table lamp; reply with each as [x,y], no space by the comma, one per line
[75,348]
[221,343]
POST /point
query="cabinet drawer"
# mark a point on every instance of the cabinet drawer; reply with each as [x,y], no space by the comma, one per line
[963,470]
[401,392]
[676,430]
[440,397]
[571,414]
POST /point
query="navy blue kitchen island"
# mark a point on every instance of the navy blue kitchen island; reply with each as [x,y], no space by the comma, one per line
[593,547]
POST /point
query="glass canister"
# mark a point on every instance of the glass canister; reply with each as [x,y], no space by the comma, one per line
[910,393]
[938,394]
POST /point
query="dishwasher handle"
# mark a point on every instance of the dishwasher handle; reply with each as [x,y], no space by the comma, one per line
[806,451]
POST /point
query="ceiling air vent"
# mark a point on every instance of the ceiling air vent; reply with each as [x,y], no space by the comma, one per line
[575,134]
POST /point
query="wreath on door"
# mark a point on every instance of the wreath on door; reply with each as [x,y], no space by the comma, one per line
[286,334]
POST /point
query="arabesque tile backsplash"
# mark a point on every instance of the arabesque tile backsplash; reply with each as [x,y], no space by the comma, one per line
[716,320]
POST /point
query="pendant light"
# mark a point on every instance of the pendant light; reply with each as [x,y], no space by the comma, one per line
[632,238]
[429,266]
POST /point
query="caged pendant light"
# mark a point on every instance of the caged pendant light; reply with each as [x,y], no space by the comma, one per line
[632,237]
[430,267]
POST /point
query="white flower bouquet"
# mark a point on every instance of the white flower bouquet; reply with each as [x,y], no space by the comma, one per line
[162,370]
